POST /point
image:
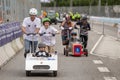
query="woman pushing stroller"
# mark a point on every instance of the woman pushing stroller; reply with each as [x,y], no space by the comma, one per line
[66,28]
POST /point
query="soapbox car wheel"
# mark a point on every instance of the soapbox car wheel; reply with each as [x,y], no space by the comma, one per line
[54,73]
[86,52]
[66,52]
[28,73]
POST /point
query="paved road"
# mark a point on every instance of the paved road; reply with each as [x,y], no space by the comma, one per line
[110,48]
[70,68]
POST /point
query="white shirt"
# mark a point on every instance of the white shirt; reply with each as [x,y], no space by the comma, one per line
[47,38]
[31,27]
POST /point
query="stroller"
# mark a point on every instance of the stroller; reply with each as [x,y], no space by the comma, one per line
[75,46]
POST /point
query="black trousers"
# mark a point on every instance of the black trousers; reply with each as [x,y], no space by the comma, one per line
[84,39]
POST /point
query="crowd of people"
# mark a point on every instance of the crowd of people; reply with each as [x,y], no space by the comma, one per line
[33,29]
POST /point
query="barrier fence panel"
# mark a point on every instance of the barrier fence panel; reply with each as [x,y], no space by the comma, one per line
[3,36]
[9,32]
[0,37]
[105,25]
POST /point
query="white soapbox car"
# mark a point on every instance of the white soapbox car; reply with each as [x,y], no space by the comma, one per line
[41,64]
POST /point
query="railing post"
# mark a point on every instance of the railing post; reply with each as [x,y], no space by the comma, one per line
[103,29]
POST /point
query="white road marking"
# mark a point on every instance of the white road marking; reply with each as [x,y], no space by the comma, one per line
[106,56]
[110,78]
[97,61]
[99,55]
[91,52]
[103,69]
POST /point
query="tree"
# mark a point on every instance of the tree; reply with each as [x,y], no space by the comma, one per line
[84,2]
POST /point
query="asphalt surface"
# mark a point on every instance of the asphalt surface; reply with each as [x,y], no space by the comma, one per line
[109,48]
[69,68]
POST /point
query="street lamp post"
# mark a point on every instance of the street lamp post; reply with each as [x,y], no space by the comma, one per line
[90,8]
[99,7]
[71,5]
[40,5]
[55,4]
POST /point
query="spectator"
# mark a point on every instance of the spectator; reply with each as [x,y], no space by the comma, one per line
[1,20]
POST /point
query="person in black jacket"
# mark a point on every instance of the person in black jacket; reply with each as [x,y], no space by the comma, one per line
[84,28]
[42,52]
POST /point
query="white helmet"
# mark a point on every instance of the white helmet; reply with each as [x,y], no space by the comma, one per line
[33,11]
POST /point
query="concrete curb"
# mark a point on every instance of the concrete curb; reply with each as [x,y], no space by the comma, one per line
[14,46]
[9,50]
[19,43]
[3,56]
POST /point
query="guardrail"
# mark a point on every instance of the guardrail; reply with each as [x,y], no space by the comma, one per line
[104,21]
[10,41]
[9,32]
